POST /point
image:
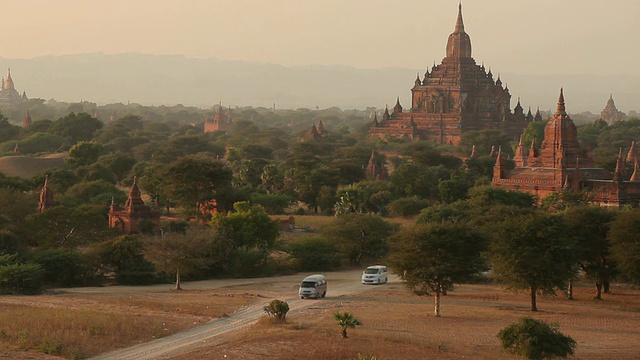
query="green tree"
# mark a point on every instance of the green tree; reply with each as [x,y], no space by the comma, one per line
[589,225]
[248,226]
[179,254]
[118,163]
[532,252]
[536,340]
[625,244]
[433,258]
[346,320]
[63,268]
[360,236]
[84,153]
[194,180]
[483,141]
[315,253]
[407,206]
[95,192]
[68,227]
[534,133]
[8,131]
[17,277]
[76,127]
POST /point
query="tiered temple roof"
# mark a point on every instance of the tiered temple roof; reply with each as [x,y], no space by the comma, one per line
[453,97]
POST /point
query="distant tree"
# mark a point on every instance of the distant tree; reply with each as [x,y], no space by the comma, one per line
[625,244]
[248,226]
[433,258]
[412,179]
[8,131]
[360,236]
[179,254]
[407,206]
[315,253]
[536,340]
[84,153]
[118,163]
[588,226]
[75,127]
[41,143]
[95,192]
[346,320]
[62,226]
[272,203]
[532,252]
[483,141]
[17,277]
[193,180]
[534,133]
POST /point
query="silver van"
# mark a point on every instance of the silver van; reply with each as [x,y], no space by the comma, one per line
[314,286]
[377,274]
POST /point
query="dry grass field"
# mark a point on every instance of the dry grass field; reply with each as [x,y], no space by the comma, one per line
[396,324]
[399,325]
[76,326]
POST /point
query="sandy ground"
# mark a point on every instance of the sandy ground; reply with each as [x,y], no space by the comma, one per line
[396,323]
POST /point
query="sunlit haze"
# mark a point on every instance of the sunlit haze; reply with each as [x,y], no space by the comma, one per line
[528,37]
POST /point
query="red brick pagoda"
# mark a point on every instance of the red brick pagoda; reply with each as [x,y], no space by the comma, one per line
[129,217]
[610,113]
[561,164]
[455,97]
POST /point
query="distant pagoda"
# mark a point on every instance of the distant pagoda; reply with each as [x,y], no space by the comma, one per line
[610,113]
[455,97]
[8,93]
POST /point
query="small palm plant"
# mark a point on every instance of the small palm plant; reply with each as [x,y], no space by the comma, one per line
[346,320]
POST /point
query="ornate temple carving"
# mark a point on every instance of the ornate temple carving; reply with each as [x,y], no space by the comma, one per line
[453,97]
[561,164]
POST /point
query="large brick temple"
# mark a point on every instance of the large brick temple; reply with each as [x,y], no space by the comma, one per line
[455,97]
[561,164]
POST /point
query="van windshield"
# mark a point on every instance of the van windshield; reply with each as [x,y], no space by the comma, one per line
[308,284]
[371,271]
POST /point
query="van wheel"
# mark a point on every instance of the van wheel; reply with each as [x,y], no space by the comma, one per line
[302,297]
[378,281]
[324,294]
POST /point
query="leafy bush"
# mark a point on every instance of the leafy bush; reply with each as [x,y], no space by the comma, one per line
[17,277]
[315,253]
[278,309]
[536,340]
[407,207]
[63,268]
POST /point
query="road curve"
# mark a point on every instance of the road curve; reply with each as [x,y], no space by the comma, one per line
[340,284]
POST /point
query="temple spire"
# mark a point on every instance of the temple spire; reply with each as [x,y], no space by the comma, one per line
[459,23]
[561,110]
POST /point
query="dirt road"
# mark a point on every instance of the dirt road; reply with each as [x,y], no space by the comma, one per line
[340,284]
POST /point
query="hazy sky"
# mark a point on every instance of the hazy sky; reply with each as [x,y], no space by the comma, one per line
[517,36]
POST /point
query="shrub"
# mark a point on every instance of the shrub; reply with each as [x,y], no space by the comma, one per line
[315,253]
[407,207]
[63,268]
[278,309]
[20,278]
[536,340]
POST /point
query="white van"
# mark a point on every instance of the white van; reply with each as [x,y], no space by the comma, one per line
[314,286]
[376,274]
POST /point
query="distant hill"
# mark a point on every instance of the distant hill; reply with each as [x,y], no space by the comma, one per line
[174,79]
[27,167]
